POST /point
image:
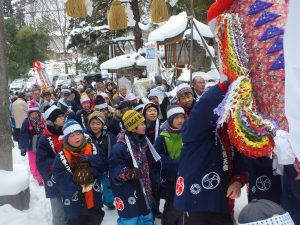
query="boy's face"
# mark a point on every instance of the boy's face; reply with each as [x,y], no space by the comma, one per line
[104,111]
[178,122]
[75,139]
[151,114]
[154,99]
[47,98]
[86,105]
[96,126]
[141,129]
[186,100]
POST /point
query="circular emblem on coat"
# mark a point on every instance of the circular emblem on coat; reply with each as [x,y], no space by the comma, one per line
[97,187]
[67,202]
[195,189]
[75,198]
[119,204]
[179,186]
[211,181]
[53,180]
[49,183]
[131,200]
[263,183]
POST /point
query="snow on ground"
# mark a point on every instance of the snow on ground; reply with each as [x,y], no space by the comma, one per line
[39,212]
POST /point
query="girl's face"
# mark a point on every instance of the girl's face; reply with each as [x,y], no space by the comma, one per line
[75,139]
[96,126]
[86,105]
[141,129]
[34,115]
[60,120]
[151,114]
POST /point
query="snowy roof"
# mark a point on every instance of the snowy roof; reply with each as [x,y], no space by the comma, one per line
[210,75]
[128,38]
[177,25]
[124,61]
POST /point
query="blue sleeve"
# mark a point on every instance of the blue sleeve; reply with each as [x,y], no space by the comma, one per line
[118,159]
[44,156]
[24,135]
[169,165]
[202,119]
[98,163]
[64,179]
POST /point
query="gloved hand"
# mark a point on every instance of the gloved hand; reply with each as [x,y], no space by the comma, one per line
[82,174]
[23,152]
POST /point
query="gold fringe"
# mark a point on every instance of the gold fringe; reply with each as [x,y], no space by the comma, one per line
[76,8]
[117,17]
[159,11]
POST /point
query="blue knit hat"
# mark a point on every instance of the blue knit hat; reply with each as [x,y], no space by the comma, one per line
[70,127]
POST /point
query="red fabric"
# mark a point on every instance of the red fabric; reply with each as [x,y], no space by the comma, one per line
[56,142]
[223,86]
[217,8]
[89,196]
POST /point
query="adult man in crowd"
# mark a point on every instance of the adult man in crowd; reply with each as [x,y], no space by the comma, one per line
[121,96]
[198,86]
[19,113]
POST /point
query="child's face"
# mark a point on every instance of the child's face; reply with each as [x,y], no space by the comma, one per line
[60,120]
[75,139]
[34,115]
[96,126]
[86,105]
[178,122]
[151,114]
[141,129]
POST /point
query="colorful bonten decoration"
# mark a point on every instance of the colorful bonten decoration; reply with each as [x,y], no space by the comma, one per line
[249,131]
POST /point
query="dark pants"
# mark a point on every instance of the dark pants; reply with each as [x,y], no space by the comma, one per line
[171,216]
[90,217]
[206,218]
[16,134]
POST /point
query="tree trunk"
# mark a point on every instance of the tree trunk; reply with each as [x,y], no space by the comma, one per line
[137,30]
[5,130]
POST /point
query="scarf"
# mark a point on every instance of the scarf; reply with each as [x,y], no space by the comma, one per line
[36,124]
[68,147]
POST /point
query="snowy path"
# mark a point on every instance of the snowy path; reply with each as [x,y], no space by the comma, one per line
[40,212]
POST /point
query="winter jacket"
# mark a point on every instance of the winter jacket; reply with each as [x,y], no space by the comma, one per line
[72,197]
[19,111]
[82,119]
[168,145]
[115,126]
[47,147]
[105,142]
[125,192]
[263,184]
[152,130]
[29,136]
[203,172]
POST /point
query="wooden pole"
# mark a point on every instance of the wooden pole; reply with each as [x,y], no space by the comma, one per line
[5,130]
[191,21]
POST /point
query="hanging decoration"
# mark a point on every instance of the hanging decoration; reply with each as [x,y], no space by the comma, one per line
[76,8]
[117,17]
[159,11]
[41,75]
[249,132]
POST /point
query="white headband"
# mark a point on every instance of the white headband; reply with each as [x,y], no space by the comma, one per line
[101,106]
[176,110]
[284,219]
[49,111]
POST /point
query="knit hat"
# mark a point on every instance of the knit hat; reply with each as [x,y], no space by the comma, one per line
[33,106]
[148,106]
[70,127]
[130,97]
[132,119]
[100,102]
[172,112]
[84,98]
[51,113]
[90,91]
[97,115]
[264,212]
[183,89]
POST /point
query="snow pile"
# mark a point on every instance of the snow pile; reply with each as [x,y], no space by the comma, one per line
[124,61]
[13,182]
[177,25]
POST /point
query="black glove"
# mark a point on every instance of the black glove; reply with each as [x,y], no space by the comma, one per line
[23,152]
